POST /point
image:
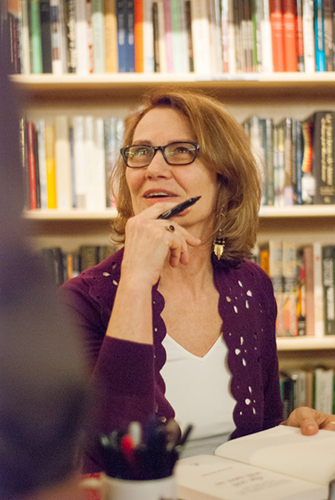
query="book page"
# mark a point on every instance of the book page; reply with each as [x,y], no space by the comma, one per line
[284,449]
[208,477]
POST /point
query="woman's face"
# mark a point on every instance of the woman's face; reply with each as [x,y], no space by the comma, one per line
[162,182]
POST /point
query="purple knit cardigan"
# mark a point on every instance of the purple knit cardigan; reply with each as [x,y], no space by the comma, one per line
[127,375]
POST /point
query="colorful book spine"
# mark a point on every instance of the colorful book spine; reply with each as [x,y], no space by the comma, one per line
[328,33]
[319,34]
[168,36]
[138,33]
[323,157]
[31,166]
[289,253]
[42,163]
[46,35]
[70,29]
[299,33]
[36,42]
[277,35]
[111,57]
[130,35]
[289,34]
[56,38]
[50,166]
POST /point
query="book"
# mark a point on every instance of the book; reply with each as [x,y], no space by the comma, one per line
[322,130]
[45,19]
[161,37]
[319,36]
[308,35]
[25,42]
[57,47]
[266,37]
[314,290]
[308,180]
[328,33]
[36,42]
[323,389]
[111,56]
[98,34]
[89,35]
[50,165]
[188,21]
[328,277]
[82,35]
[277,35]
[62,163]
[54,263]
[301,291]
[266,129]
[271,261]
[14,20]
[168,35]
[287,393]
[277,464]
[148,42]
[299,36]
[31,165]
[214,16]
[138,34]
[42,163]
[79,161]
[70,31]
[156,37]
[290,291]
[289,35]
[201,38]
[130,35]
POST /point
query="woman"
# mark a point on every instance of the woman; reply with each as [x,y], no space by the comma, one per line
[173,328]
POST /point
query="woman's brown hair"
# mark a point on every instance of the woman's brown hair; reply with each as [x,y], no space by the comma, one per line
[224,149]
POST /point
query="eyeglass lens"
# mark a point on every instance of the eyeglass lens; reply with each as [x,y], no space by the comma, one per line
[176,153]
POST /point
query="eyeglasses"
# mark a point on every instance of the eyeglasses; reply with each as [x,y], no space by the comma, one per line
[175,153]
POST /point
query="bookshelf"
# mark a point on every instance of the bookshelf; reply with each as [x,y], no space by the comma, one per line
[274,95]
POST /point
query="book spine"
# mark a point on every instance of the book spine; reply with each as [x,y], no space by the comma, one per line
[156,37]
[289,34]
[201,38]
[277,34]
[266,36]
[309,280]
[161,39]
[308,36]
[37,169]
[328,277]
[56,42]
[308,180]
[185,63]
[188,18]
[298,158]
[25,43]
[323,158]
[121,35]
[138,33]
[46,35]
[130,36]
[36,37]
[320,59]
[299,36]
[288,188]
[168,36]
[79,161]
[72,168]
[328,33]
[62,162]
[176,38]
[89,35]
[24,161]
[98,32]
[318,290]
[81,37]
[301,292]
[257,35]
[148,42]
[290,289]
[111,57]
[70,25]
[42,163]
[50,166]
[31,166]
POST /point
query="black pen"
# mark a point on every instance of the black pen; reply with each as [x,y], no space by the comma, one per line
[178,208]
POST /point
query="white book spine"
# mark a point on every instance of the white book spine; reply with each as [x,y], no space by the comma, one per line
[201,38]
[79,161]
[266,40]
[82,37]
[231,56]
[308,35]
[89,160]
[99,178]
[185,63]
[63,166]
[98,31]
[148,37]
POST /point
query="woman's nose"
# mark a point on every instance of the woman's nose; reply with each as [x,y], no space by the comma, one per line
[158,165]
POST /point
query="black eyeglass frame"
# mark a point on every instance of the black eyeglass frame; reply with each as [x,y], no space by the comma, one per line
[162,149]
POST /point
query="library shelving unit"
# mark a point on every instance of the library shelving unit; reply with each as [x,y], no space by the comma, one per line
[275,95]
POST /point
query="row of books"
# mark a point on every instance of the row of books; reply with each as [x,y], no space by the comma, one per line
[313,387]
[303,278]
[210,37]
[296,158]
[67,163]
[63,265]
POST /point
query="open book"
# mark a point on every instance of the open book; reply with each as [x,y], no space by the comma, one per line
[276,464]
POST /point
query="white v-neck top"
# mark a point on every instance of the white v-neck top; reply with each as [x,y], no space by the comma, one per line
[198,390]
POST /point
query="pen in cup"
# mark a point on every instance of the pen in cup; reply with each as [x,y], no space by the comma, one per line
[178,208]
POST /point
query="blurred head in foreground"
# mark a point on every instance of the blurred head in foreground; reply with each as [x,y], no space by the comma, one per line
[43,376]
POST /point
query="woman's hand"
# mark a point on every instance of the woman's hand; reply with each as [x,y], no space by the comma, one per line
[151,242]
[310,421]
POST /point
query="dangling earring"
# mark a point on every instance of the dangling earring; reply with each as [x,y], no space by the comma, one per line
[219,243]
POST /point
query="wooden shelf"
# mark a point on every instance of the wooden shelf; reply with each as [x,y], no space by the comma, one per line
[305,211]
[305,343]
[109,87]
[49,215]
